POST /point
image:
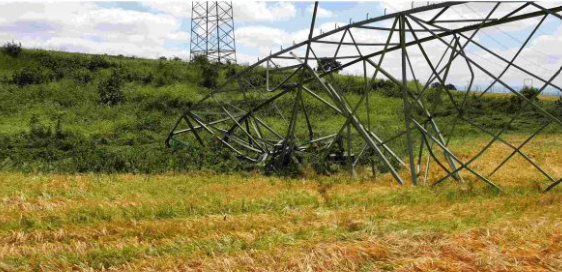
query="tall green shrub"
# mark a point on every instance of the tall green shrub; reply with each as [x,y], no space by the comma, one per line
[109,90]
[12,49]
[98,62]
[32,75]
[515,102]
[209,71]
[82,76]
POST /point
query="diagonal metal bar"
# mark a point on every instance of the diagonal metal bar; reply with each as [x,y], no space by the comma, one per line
[518,148]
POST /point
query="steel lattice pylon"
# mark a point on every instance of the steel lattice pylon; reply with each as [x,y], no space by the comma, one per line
[269,111]
[212,31]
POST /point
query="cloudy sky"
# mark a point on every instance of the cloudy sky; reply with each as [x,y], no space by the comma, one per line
[162,28]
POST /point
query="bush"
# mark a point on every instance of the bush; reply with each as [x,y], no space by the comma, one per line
[434,96]
[109,90]
[351,84]
[147,79]
[231,71]
[38,129]
[530,93]
[82,76]
[437,85]
[47,60]
[165,74]
[256,77]
[98,62]
[150,122]
[209,71]
[12,49]
[383,84]
[327,64]
[32,75]
[210,75]
[387,88]
[200,60]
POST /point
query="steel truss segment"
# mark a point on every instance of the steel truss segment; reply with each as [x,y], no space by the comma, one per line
[270,110]
[496,137]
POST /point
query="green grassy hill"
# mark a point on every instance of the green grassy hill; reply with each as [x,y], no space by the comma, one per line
[67,112]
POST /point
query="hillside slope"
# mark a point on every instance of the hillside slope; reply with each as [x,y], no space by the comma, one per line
[67,112]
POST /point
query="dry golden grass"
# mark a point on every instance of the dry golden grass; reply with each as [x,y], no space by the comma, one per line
[206,222]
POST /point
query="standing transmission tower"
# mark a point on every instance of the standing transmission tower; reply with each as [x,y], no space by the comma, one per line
[212,31]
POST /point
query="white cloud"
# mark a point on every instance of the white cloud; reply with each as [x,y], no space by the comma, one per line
[243,10]
[321,12]
[87,27]
[175,8]
[263,11]
[261,38]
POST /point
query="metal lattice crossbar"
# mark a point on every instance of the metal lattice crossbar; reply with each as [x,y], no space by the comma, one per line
[276,110]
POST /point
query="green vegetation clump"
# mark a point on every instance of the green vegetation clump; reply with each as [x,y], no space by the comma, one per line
[82,76]
[209,71]
[32,75]
[531,93]
[387,88]
[516,102]
[12,49]
[327,64]
[110,90]
[450,87]
[98,62]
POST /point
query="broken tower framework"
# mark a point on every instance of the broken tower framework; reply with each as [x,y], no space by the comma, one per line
[268,113]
